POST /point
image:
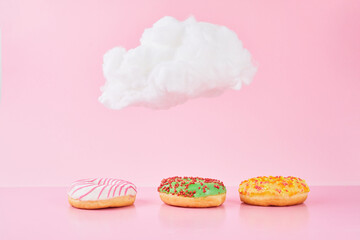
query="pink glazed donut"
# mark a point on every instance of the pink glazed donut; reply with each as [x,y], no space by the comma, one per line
[94,193]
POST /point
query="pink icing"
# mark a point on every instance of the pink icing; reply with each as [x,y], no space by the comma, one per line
[93,189]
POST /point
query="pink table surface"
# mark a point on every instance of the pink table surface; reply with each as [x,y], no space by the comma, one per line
[44,213]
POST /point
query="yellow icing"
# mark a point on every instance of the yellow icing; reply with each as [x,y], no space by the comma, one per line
[273,186]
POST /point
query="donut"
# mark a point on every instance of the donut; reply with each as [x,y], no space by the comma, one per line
[192,192]
[97,193]
[273,191]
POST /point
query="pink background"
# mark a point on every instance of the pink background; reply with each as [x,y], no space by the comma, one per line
[300,116]
[330,213]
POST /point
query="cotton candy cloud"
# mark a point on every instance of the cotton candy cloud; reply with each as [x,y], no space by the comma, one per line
[175,61]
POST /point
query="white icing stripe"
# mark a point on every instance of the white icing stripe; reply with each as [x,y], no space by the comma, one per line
[93,189]
[79,187]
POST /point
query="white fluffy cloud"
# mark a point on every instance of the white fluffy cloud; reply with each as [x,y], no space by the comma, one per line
[175,61]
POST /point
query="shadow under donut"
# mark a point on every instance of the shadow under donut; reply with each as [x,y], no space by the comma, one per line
[106,218]
[191,217]
[274,218]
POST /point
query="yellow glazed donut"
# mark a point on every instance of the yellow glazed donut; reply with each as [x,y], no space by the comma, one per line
[192,192]
[273,191]
[101,193]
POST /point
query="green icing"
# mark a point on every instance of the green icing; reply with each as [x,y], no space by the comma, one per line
[210,189]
